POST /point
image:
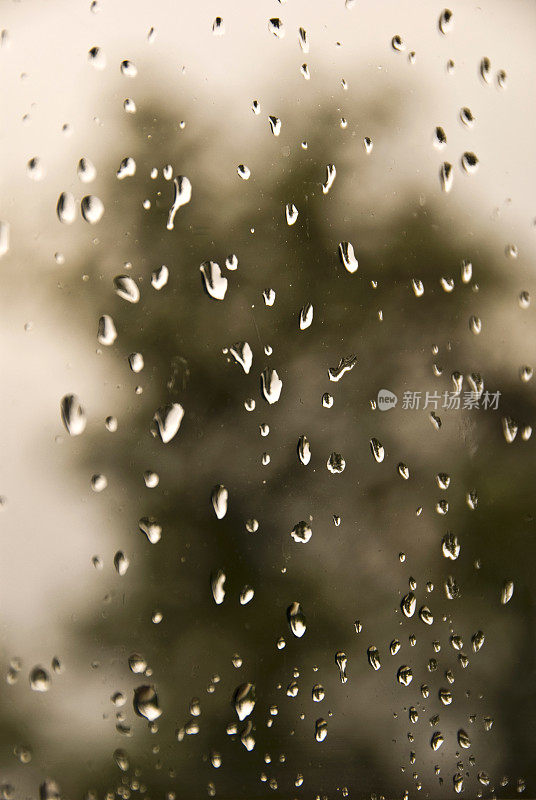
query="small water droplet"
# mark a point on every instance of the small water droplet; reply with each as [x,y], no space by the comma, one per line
[507,592]
[397,43]
[218,27]
[341,661]
[377,450]
[73,415]
[446,176]
[271,385]
[275,26]
[485,69]
[321,730]
[128,69]
[336,463]
[291,213]
[296,619]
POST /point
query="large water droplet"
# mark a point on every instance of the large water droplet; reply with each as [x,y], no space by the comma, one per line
[243,355]
[150,527]
[92,209]
[373,656]
[446,22]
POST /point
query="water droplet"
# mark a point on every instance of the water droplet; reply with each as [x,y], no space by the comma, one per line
[291,213]
[368,144]
[243,172]
[146,703]
[35,168]
[437,740]
[467,117]
[347,256]
[271,385]
[127,288]
[327,400]
[426,615]
[341,661]
[244,700]
[106,331]
[507,592]
[150,527]
[336,463]
[86,171]
[440,138]
[377,450]
[501,79]
[92,209]
[39,680]
[394,647]
[321,729]
[344,365]
[160,277]
[463,739]
[404,675]
[217,584]
[485,69]
[446,176]
[66,208]
[136,362]
[215,283]
[121,563]
[243,355]
[275,125]
[373,657]
[128,69]
[218,27]
[304,450]
[275,26]
[302,532]
[219,498]
[182,194]
[331,174]
[246,595]
[397,43]
[269,297]
[445,21]
[99,482]
[450,546]
[121,759]
[408,604]
[73,415]
[129,105]
[302,38]
[127,168]
[296,619]
[470,162]
[167,421]
[318,693]
[97,58]
[418,287]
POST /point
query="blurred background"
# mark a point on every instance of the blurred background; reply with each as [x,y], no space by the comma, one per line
[440,302]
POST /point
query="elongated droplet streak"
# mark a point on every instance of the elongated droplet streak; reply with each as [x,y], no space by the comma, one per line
[217,584]
[182,196]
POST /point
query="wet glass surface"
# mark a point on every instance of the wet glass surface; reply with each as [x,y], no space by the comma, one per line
[267,478]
